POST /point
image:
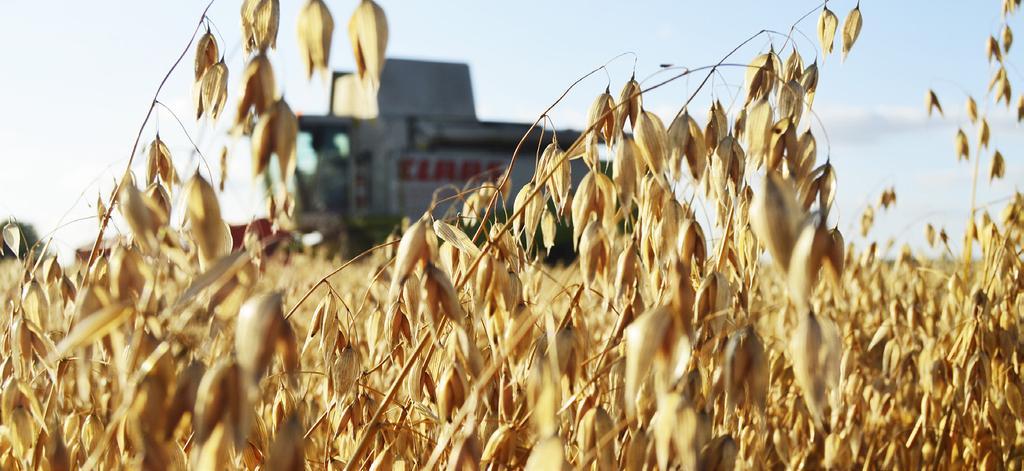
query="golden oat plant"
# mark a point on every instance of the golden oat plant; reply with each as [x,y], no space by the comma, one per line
[670,343]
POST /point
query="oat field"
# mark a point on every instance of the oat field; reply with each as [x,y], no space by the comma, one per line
[756,338]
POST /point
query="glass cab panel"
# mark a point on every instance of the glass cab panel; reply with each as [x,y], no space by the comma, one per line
[323,169]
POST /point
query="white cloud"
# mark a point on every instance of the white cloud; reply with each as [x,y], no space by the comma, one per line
[859,124]
[855,124]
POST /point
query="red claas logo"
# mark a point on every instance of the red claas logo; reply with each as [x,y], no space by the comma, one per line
[443,170]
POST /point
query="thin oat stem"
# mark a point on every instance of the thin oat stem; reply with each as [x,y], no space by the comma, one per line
[335,272]
[189,136]
[800,20]
[375,420]
[131,158]
[969,243]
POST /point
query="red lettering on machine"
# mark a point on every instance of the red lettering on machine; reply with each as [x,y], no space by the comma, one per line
[446,170]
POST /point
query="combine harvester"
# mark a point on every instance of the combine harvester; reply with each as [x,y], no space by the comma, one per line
[366,165]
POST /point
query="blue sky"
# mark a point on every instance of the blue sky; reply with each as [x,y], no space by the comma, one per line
[76,83]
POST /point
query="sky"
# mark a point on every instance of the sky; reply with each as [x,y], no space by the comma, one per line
[76,84]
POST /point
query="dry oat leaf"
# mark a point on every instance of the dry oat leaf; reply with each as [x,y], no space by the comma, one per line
[746,370]
[826,185]
[207,53]
[128,273]
[214,90]
[159,202]
[972,109]
[810,82]
[652,139]
[998,167]
[275,134]
[555,163]
[159,163]
[213,453]
[983,134]
[809,253]
[221,403]
[368,33]
[286,130]
[1005,91]
[718,125]
[637,455]
[834,260]
[932,102]
[719,454]
[20,429]
[762,73]
[547,455]
[457,238]
[624,171]
[758,129]
[665,426]
[691,243]
[260,323]
[626,272]
[184,395]
[929,234]
[775,217]
[630,104]
[585,204]
[601,117]
[783,144]
[262,145]
[963,150]
[316,28]
[992,50]
[57,456]
[208,229]
[548,229]
[595,253]
[92,328]
[259,89]
[440,297]
[521,204]
[247,12]
[793,69]
[791,102]
[696,152]
[998,79]
[596,424]
[260,22]
[827,24]
[413,251]
[12,238]
[851,29]
[138,213]
[814,354]
[451,393]
[677,136]
[643,338]
[286,453]
[218,273]
[345,370]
